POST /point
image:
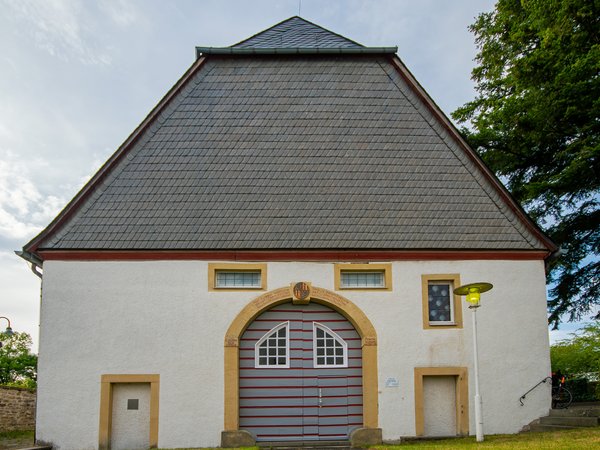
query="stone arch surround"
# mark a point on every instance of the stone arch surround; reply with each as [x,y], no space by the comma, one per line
[353,313]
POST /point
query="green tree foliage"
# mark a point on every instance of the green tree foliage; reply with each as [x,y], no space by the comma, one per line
[18,366]
[536,123]
[578,354]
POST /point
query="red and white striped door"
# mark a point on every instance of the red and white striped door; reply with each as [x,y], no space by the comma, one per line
[300,375]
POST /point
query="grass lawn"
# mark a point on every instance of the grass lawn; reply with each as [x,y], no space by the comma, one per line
[582,438]
[10,440]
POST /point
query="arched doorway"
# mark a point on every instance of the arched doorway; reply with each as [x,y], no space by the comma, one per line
[336,304]
[300,375]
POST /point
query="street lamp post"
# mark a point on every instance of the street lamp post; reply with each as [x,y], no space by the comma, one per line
[472,292]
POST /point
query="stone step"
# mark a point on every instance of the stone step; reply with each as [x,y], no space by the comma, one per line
[537,427]
[314,447]
[576,411]
[571,421]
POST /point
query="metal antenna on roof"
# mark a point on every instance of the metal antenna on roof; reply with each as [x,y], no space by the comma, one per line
[299,7]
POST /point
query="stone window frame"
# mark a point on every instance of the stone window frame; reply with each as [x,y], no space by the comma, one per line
[454,280]
[213,268]
[385,268]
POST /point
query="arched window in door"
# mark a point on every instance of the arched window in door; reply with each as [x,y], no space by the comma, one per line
[273,349]
[329,349]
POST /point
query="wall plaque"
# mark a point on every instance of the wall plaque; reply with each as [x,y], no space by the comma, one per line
[391,382]
[301,292]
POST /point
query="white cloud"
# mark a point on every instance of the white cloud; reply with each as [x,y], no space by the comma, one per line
[121,12]
[23,209]
[61,28]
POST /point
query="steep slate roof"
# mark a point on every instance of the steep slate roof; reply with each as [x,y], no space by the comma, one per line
[303,152]
[296,32]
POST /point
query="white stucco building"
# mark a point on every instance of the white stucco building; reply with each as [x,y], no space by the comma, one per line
[271,256]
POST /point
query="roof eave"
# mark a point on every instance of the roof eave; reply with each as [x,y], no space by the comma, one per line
[29,257]
[202,51]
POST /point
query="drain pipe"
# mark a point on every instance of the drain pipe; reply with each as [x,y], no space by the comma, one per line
[35,269]
[36,265]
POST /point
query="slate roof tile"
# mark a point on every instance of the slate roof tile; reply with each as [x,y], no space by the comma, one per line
[281,153]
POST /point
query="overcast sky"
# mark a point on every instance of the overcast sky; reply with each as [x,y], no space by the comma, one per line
[77,76]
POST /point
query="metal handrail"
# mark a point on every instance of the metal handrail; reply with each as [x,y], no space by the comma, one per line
[545,380]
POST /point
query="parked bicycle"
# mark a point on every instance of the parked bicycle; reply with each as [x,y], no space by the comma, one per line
[561,396]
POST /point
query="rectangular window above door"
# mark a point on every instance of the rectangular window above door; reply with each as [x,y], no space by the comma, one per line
[236,277]
[363,277]
[240,279]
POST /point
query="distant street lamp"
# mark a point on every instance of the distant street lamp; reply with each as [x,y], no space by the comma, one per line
[8,331]
[472,292]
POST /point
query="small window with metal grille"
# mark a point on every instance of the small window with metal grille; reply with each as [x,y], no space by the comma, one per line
[362,279]
[242,279]
[366,277]
[273,349]
[329,349]
[236,276]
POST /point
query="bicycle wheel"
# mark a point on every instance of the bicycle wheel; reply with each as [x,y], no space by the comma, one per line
[561,398]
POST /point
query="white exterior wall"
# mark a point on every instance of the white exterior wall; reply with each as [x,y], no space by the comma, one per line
[159,318]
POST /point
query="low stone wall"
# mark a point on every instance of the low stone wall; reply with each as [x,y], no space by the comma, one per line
[17,409]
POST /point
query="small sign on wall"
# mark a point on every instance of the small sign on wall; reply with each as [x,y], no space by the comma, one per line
[391,383]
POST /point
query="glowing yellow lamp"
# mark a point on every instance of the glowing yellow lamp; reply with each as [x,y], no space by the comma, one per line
[473,292]
[473,296]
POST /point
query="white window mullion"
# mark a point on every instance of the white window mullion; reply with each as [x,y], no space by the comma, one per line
[273,349]
[329,349]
